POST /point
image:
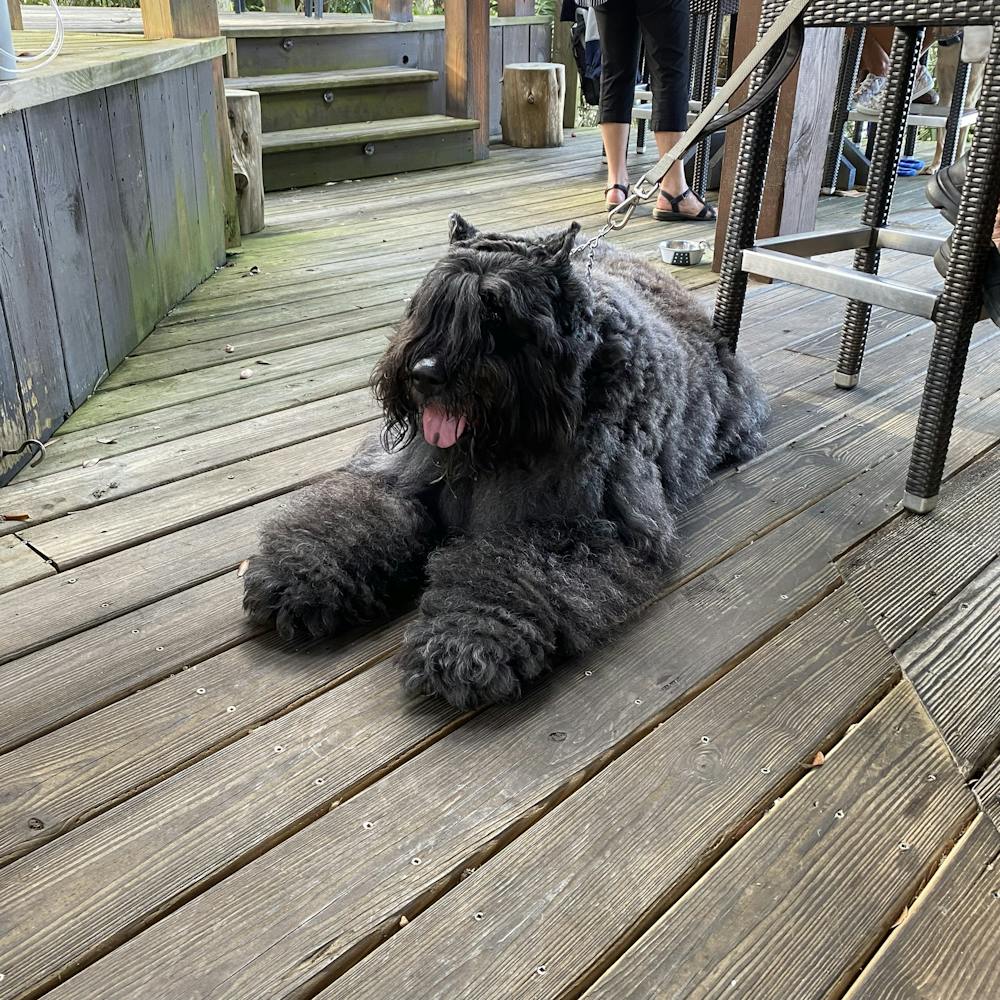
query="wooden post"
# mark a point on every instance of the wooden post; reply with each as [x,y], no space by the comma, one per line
[200,19]
[232,63]
[14,9]
[515,8]
[531,109]
[244,137]
[180,19]
[392,10]
[562,52]
[801,128]
[467,66]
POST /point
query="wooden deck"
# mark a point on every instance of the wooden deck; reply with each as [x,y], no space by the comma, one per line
[760,789]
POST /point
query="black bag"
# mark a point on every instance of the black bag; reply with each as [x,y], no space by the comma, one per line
[587,56]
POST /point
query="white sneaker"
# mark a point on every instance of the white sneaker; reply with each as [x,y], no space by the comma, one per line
[868,89]
[872,107]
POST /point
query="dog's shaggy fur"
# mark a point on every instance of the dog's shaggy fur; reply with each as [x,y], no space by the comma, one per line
[580,415]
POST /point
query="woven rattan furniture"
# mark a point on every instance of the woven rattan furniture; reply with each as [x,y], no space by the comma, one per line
[956,309]
[958,116]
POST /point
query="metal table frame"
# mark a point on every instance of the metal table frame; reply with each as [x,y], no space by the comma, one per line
[958,305]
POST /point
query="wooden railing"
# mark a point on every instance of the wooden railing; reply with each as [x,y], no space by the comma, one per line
[200,19]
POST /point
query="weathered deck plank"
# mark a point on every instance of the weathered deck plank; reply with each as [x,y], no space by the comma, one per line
[567,890]
[67,680]
[954,663]
[149,797]
[946,947]
[907,573]
[82,488]
[807,895]
[20,564]
[514,786]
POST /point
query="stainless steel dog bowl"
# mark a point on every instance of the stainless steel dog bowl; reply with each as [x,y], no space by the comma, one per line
[682,253]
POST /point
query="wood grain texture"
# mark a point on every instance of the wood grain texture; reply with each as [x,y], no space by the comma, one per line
[179,19]
[65,230]
[20,565]
[806,896]
[117,437]
[567,889]
[95,62]
[531,113]
[540,43]
[13,430]
[26,289]
[163,148]
[92,534]
[69,679]
[465,798]
[49,610]
[82,488]
[908,572]
[946,947]
[14,13]
[392,10]
[146,397]
[954,663]
[83,768]
[143,270]
[243,108]
[208,229]
[467,67]
[121,326]
[987,790]
[213,816]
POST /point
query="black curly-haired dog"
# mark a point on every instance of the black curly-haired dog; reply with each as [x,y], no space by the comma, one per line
[541,432]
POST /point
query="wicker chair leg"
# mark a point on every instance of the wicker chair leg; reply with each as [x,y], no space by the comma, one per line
[960,303]
[849,63]
[699,23]
[878,198]
[748,189]
[951,130]
[713,42]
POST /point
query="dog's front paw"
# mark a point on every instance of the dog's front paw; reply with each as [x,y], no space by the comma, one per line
[468,660]
[276,594]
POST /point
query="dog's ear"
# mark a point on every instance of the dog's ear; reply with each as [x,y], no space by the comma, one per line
[459,229]
[558,246]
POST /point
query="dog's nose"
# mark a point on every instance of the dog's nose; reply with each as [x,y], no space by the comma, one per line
[427,374]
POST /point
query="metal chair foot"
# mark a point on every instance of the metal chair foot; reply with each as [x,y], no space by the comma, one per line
[842,381]
[919,505]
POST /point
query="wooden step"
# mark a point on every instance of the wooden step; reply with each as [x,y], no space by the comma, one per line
[292,101]
[304,156]
[370,76]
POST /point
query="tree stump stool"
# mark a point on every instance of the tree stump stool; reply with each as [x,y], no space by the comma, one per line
[531,106]
[243,107]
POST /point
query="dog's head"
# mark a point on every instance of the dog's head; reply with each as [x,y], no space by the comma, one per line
[486,362]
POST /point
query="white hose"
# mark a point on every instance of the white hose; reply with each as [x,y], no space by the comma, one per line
[42,58]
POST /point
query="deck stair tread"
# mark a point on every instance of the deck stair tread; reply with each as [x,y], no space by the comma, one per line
[342,135]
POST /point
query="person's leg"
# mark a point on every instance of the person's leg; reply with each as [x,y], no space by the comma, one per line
[665,30]
[619,33]
[875,51]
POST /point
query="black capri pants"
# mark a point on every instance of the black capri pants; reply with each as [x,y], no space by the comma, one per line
[665,29]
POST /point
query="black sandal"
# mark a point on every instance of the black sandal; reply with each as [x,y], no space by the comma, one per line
[614,187]
[707,213]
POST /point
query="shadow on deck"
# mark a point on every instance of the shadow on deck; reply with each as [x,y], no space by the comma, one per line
[744,794]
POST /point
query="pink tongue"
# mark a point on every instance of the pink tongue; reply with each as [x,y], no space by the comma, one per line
[440,428]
